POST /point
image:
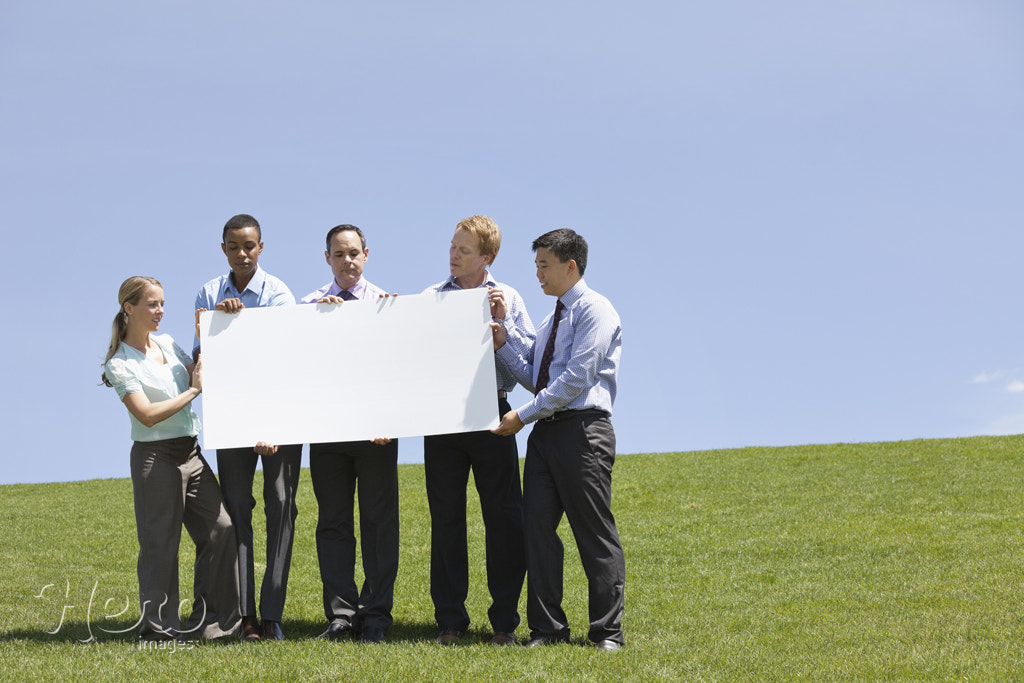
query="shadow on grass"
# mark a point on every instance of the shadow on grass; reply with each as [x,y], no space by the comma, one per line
[411,632]
[78,631]
[126,631]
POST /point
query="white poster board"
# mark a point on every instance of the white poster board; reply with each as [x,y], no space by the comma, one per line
[316,373]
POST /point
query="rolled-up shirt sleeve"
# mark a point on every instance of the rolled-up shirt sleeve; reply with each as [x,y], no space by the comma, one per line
[124,381]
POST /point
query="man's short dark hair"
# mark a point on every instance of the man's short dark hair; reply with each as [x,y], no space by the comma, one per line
[566,245]
[241,222]
[342,228]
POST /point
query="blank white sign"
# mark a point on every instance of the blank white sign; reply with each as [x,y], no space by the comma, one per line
[316,373]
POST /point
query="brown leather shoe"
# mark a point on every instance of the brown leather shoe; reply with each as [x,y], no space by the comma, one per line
[250,629]
[271,630]
[501,638]
[448,636]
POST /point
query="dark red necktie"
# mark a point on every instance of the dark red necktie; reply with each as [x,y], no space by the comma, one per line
[549,350]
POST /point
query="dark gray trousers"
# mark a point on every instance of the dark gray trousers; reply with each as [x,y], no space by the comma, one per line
[173,485]
[569,470]
[336,469]
[236,468]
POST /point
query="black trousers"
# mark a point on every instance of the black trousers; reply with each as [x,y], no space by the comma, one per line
[568,471]
[236,468]
[336,469]
[494,460]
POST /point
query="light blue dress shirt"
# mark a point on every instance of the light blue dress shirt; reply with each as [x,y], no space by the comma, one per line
[584,369]
[263,290]
[131,372]
[517,322]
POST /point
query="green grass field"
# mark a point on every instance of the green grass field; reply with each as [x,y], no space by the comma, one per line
[888,561]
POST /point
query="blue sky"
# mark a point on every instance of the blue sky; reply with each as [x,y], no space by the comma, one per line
[808,214]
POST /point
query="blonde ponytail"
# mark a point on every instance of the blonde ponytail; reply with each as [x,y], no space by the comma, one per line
[130,292]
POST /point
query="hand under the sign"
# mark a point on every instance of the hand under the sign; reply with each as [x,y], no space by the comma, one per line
[264,448]
[510,424]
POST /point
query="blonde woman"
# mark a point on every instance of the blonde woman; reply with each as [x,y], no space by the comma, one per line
[172,482]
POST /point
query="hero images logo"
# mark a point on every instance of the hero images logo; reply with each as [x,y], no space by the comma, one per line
[113,608]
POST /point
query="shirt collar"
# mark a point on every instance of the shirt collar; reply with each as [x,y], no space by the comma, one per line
[488,281]
[255,284]
[574,294]
[356,290]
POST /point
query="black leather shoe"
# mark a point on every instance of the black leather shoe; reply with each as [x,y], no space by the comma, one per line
[608,645]
[335,630]
[271,630]
[540,639]
[372,634]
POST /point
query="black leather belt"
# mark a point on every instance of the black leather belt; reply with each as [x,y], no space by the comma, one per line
[502,394]
[583,412]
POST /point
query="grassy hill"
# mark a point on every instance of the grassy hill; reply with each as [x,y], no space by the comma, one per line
[848,561]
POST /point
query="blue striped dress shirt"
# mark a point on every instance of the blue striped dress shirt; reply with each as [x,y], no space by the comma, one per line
[584,369]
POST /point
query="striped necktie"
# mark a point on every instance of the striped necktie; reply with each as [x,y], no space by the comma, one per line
[549,350]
